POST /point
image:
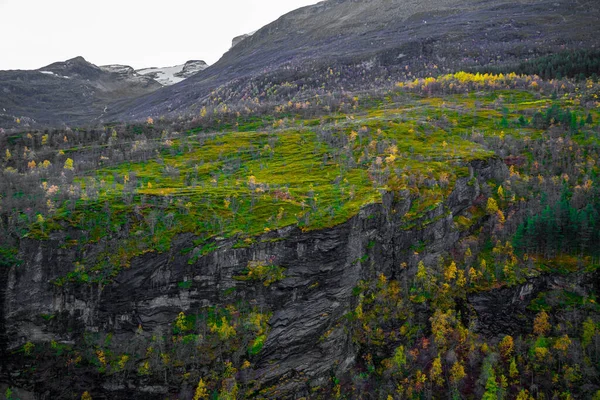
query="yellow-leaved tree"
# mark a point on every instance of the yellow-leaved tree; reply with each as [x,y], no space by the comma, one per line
[492,206]
[541,325]
[69,164]
[201,392]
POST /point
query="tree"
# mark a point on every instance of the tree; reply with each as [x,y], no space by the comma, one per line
[436,373]
[500,192]
[563,343]
[457,373]
[473,276]
[513,371]
[400,357]
[181,323]
[541,326]
[506,347]
[421,277]
[441,327]
[201,392]
[589,331]
[69,164]
[461,281]
[524,395]
[491,387]
[492,206]
[450,272]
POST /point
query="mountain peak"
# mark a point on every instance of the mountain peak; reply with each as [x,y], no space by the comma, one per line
[77,66]
[78,60]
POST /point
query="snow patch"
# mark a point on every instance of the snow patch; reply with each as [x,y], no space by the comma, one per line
[53,74]
[165,76]
[171,75]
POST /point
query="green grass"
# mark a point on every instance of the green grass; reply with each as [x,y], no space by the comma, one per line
[313,174]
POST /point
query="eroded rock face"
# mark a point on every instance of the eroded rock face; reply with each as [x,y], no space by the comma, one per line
[238,39]
[505,311]
[322,268]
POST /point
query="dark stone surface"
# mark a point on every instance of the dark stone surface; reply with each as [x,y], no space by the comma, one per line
[322,268]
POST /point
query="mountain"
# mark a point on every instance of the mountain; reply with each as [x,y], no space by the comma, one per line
[167,76]
[439,237]
[78,92]
[66,93]
[363,40]
[364,43]
[351,215]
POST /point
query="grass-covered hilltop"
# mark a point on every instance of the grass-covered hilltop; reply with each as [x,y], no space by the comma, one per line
[431,237]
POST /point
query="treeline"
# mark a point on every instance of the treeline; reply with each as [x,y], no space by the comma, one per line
[561,229]
[579,64]
[555,115]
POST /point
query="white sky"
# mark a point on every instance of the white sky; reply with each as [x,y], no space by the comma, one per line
[139,33]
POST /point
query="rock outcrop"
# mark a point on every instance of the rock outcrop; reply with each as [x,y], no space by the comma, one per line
[322,269]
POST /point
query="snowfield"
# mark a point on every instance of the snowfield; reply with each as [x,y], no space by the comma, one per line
[53,74]
[171,75]
[165,76]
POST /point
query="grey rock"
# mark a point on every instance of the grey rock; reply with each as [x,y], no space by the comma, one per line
[322,268]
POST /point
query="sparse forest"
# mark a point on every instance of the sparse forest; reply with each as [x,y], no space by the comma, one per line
[235,176]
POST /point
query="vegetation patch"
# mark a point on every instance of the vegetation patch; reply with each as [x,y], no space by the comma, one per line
[263,272]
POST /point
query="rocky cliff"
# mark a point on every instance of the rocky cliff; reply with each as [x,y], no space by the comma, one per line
[307,338]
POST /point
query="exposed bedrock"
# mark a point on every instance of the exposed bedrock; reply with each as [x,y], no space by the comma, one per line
[322,268]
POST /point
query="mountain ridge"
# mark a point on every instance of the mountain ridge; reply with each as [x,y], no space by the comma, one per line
[426,37]
[75,91]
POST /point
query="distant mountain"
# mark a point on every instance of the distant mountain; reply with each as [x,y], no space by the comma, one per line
[67,93]
[171,75]
[363,42]
[367,39]
[77,92]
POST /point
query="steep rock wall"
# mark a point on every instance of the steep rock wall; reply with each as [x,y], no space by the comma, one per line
[322,268]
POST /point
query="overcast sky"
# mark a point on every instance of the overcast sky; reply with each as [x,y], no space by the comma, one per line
[139,33]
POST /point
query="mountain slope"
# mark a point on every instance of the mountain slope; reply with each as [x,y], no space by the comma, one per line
[70,92]
[436,238]
[391,36]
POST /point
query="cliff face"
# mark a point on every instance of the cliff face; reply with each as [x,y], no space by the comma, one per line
[321,270]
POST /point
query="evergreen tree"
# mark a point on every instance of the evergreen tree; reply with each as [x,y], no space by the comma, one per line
[491,387]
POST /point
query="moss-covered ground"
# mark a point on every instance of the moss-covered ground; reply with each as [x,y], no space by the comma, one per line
[269,173]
